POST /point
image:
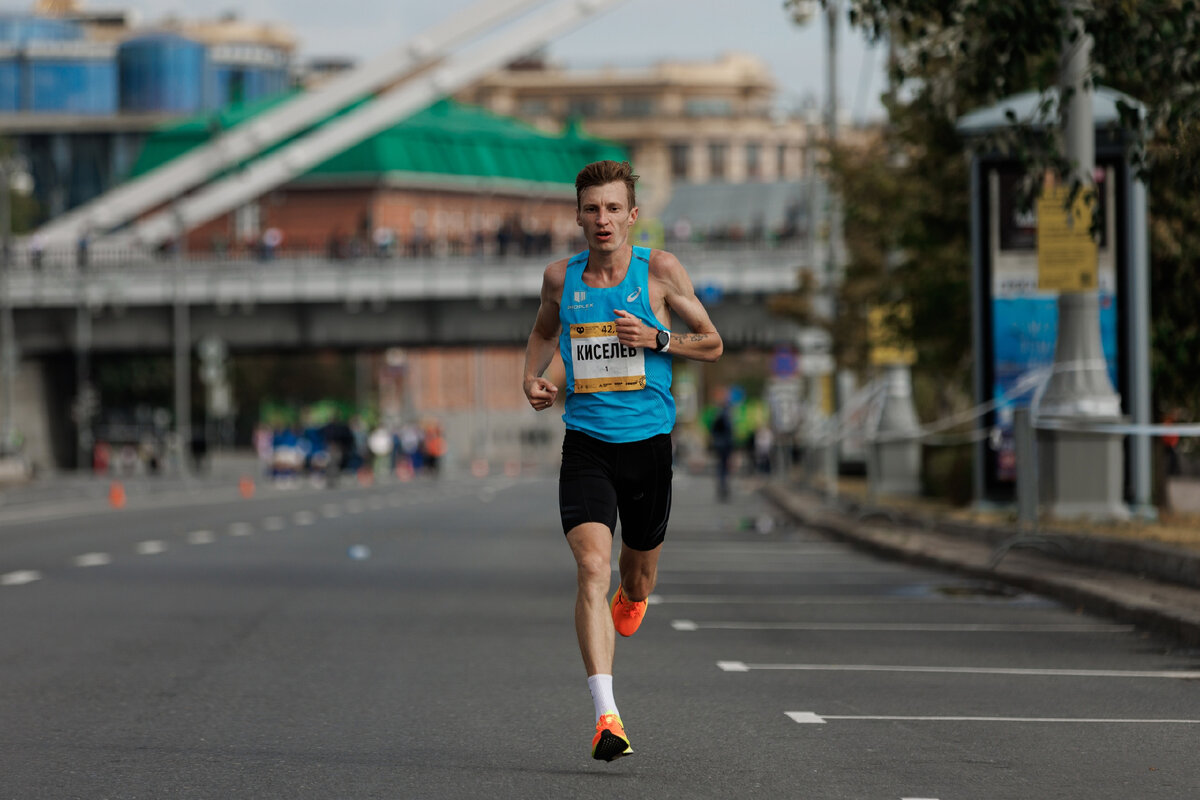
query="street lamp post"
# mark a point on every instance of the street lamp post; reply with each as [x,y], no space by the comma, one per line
[12,173]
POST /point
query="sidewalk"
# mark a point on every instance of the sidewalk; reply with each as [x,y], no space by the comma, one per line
[1147,574]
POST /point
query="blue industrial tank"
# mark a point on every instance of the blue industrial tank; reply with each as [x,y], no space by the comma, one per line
[163,72]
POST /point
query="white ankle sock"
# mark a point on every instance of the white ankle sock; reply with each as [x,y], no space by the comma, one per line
[602,694]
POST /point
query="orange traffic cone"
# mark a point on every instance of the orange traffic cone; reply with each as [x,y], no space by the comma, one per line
[246,487]
[116,495]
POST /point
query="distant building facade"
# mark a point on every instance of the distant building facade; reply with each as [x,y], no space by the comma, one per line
[80,90]
[682,122]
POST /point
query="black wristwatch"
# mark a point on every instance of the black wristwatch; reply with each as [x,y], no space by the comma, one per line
[662,341]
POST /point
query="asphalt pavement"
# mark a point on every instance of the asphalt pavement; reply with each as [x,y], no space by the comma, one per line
[415,640]
[1153,585]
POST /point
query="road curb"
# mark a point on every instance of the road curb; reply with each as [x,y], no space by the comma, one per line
[1164,607]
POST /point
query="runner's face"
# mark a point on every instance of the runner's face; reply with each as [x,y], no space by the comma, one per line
[605,216]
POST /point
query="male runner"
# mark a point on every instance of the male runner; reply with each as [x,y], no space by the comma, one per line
[608,311]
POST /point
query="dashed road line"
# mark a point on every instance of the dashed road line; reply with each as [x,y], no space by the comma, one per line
[331,511]
[304,518]
[151,547]
[20,577]
[809,718]
[741,666]
[201,537]
[240,529]
[274,524]
[92,560]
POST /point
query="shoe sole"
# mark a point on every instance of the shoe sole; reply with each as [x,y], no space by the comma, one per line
[610,747]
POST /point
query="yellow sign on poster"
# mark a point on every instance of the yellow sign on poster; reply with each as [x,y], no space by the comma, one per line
[1067,255]
[886,348]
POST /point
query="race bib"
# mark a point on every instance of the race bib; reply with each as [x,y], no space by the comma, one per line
[603,364]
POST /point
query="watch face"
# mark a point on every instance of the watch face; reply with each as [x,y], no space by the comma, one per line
[664,338]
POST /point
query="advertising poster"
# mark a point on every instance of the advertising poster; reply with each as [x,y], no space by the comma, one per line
[1024,317]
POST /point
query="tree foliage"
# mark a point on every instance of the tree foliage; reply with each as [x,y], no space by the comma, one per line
[953,56]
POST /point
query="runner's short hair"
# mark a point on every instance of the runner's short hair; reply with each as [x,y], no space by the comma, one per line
[600,173]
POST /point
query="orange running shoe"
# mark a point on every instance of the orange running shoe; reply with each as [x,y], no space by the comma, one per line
[610,741]
[627,615]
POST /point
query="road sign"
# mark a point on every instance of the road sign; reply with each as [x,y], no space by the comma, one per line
[1067,254]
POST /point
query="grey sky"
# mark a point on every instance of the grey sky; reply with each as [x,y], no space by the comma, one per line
[636,33]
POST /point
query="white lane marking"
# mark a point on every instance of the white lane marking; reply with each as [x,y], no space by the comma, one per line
[274,524]
[354,505]
[331,511]
[808,717]
[304,518]
[150,547]
[376,503]
[779,565]
[201,537]
[654,599]
[741,666]
[694,549]
[92,560]
[240,529]
[905,627]
[836,600]
[20,577]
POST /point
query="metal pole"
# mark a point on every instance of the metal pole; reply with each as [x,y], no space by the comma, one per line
[833,10]
[8,357]
[1083,472]
[84,394]
[183,366]
[1138,286]
[977,330]
[1080,387]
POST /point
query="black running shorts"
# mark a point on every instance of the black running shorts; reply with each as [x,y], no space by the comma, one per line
[600,480]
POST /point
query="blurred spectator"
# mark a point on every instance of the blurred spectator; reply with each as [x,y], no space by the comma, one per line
[263,447]
[435,447]
[764,440]
[37,246]
[272,239]
[1171,441]
[385,241]
[721,433]
[410,445]
[380,445]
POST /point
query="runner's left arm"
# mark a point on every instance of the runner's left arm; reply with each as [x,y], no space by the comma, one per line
[702,342]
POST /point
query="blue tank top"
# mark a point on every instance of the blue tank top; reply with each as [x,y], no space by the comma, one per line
[614,393]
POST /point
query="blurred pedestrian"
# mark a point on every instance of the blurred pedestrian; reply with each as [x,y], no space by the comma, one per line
[607,311]
[1171,442]
[721,437]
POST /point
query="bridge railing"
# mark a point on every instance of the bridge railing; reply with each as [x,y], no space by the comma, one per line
[135,279]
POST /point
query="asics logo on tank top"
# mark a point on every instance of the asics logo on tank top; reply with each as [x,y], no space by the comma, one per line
[634,295]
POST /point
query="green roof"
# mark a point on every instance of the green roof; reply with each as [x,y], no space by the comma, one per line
[446,139]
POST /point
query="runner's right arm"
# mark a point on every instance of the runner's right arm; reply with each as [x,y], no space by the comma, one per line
[543,339]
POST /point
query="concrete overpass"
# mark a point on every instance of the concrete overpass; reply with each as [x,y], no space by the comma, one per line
[314,302]
[64,315]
